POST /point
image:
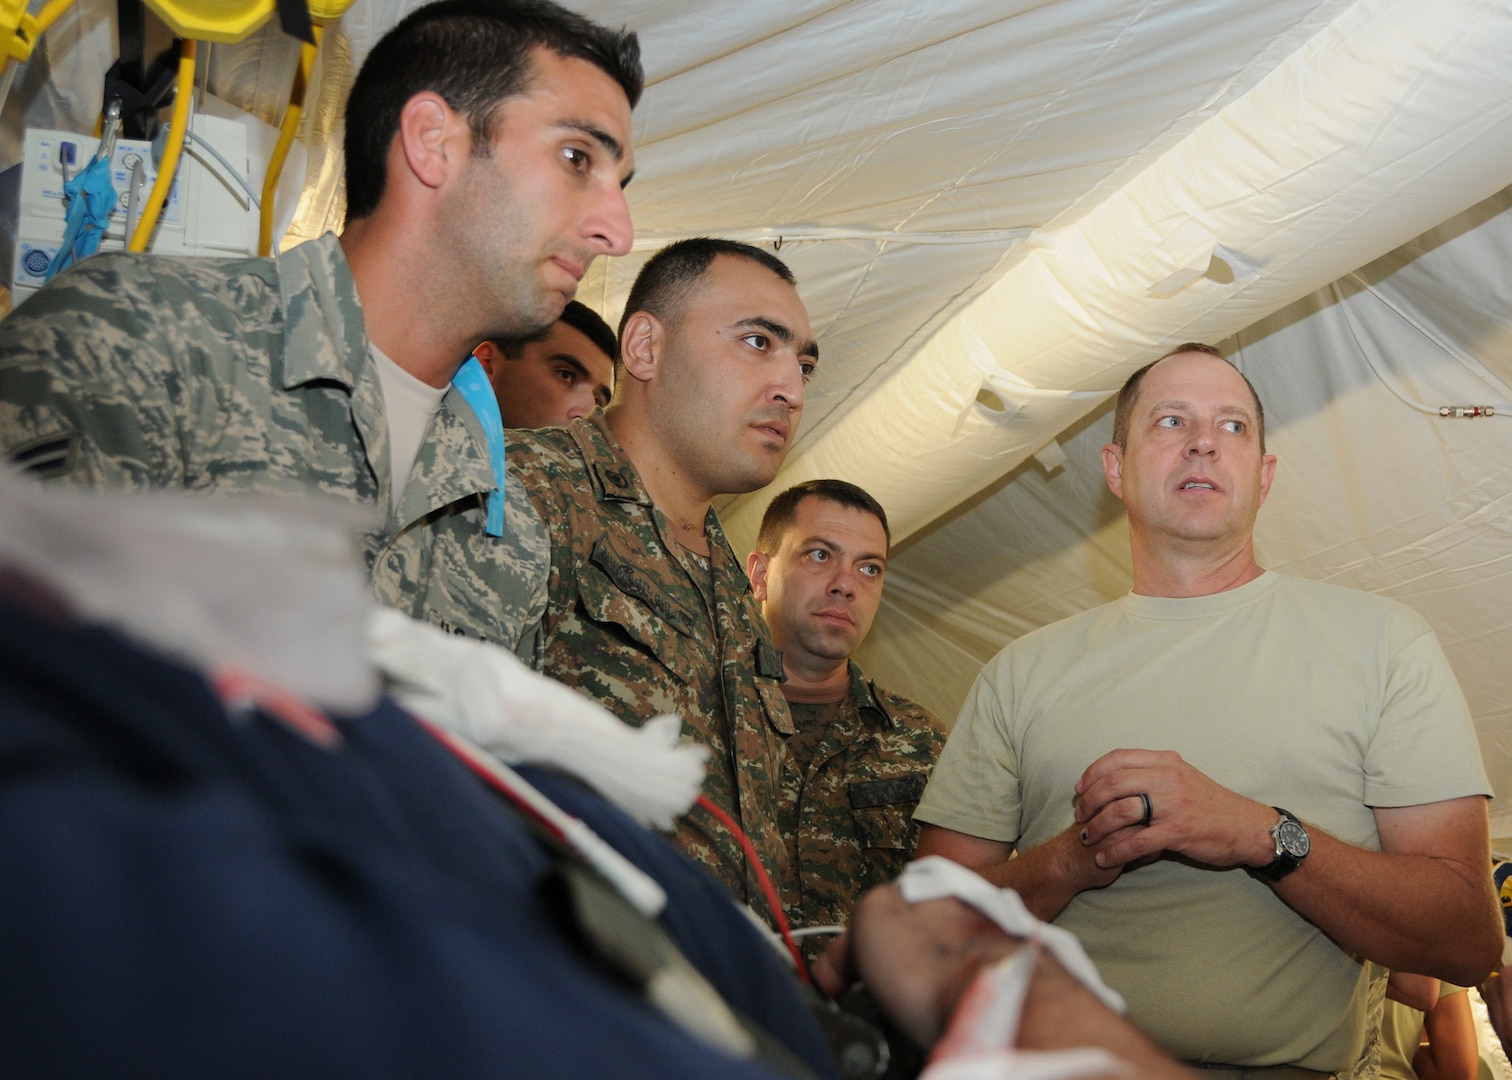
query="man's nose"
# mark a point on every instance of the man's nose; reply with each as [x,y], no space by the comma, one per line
[788,387]
[1201,440]
[610,228]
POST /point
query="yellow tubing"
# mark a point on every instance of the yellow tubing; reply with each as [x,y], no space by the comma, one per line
[286,133]
[178,125]
[49,15]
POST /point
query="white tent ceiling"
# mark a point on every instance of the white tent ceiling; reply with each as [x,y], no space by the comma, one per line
[997,210]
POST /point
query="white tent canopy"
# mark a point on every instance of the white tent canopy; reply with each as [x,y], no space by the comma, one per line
[997,211]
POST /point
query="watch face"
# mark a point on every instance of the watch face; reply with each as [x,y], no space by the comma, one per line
[1293,839]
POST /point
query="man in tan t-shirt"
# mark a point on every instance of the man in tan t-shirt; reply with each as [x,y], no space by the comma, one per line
[1137,758]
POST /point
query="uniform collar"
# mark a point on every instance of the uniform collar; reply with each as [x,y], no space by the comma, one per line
[325,340]
[613,478]
[320,308]
[610,471]
[864,694]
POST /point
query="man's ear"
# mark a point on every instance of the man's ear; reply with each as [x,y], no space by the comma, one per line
[756,570]
[490,357]
[1112,456]
[641,345]
[434,139]
[1267,474]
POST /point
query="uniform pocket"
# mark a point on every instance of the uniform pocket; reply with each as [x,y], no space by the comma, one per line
[633,607]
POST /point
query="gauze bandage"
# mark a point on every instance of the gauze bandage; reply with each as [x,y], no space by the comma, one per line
[484,693]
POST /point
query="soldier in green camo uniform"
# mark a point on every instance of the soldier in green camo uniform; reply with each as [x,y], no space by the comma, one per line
[859,756]
[327,368]
[647,608]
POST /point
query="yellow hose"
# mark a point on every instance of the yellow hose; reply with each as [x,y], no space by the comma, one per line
[286,132]
[49,15]
[178,125]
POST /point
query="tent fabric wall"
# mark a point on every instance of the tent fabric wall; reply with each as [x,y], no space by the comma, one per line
[1419,122]
[1373,489]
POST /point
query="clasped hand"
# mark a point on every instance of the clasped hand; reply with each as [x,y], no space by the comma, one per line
[1190,814]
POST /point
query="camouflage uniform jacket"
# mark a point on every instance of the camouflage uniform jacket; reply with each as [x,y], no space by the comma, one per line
[251,376]
[855,805]
[627,624]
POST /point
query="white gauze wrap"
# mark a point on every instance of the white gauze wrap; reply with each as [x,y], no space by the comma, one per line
[933,877]
[485,694]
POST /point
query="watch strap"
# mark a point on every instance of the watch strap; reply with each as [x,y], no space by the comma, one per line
[1285,862]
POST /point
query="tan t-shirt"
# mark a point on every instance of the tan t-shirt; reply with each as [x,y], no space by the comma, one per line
[1323,700]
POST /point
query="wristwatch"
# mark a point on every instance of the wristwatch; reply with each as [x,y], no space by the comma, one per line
[1292,846]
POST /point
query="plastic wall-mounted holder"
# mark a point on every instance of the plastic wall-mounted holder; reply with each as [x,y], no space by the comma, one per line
[229,21]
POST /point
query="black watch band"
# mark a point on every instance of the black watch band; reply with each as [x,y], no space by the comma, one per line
[1291,844]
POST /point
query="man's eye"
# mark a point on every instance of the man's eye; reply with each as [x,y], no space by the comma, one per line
[819,555]
[1233,427]
[758,341]
[567,375]
[871,570]
[1168,422]
[577,158]
[806,368]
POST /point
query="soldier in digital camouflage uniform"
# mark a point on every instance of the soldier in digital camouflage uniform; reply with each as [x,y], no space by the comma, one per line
[276,375]
[860,756]
[647,609]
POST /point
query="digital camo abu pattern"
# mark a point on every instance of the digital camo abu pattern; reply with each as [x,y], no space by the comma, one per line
[627,624]
[252,376]
[854,804]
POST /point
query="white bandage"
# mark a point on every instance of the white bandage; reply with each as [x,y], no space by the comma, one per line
[484,693]
[933,877]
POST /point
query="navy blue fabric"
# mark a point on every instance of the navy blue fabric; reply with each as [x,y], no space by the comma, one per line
[183,894]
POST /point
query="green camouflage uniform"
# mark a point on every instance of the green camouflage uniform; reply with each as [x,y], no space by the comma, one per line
[853,805]
[627,624]
[253,376]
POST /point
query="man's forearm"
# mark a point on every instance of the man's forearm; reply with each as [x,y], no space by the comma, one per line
[1046,877]
[1419,913]
[1041,876]
[1422,903]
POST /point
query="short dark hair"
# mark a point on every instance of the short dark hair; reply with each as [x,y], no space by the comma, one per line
[1125,407]
[663,284]
[581,318]
[474,53]
[781,511]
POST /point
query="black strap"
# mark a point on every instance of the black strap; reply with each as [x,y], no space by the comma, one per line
[294,18]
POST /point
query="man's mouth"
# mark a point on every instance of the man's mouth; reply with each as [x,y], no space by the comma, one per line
[574,269]
[1199,485]
[778,429]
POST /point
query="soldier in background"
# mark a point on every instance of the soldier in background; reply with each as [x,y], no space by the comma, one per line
[860,756]
[553,378]
[328,368]
[647,609]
